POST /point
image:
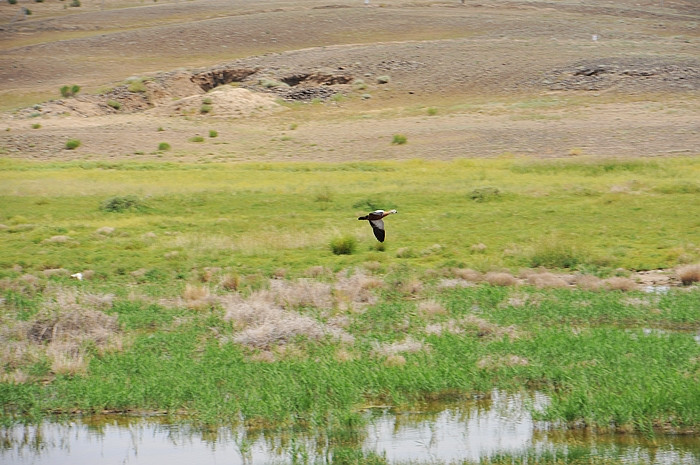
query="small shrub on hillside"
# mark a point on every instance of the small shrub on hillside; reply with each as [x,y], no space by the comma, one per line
[137,85]
[69,91]
[75,3]
[205,109]
[432,111]
[399,139]
[197,139]
[72,144]
[36,126]
[163,146]
[345,245]
[12,2]
[120,204]
[383,79]
[213,134]
[114,104]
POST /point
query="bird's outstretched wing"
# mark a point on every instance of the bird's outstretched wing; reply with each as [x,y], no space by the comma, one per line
[378,229]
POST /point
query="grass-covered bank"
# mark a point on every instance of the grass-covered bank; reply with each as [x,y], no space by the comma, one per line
[212,290]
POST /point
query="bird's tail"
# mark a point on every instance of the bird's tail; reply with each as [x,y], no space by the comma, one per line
[364,217]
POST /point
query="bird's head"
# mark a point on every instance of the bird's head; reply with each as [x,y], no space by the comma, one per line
[393,211]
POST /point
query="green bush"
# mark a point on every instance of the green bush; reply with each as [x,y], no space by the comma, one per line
[205,108]
[485,194]
[163,146]
[197,139]
[70,91]
[114,104]
[399,139]
[213,133]
[345,245]
[72,144]
[122,203]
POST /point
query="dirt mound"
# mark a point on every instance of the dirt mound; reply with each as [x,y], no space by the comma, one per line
[225,101]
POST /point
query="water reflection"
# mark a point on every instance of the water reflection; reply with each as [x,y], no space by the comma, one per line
[499,423]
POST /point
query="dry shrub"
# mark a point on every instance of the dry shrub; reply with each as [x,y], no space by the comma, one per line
[500,278]
[302,293]
[589,282]
[430,308]
[356,289]
[546,280]
[230,282]
[468,274]
[262,323]
[490,362]
[689,274]
[61,332]
[198,297]
[618,283]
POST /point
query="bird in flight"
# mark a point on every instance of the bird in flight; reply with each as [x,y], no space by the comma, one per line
[375,220]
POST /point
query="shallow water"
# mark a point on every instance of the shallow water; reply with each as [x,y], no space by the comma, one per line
[500,423]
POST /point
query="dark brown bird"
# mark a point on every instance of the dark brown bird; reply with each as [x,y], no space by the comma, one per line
[375,220]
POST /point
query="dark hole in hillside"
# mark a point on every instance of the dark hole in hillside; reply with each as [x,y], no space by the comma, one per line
[316,79]
[210,79]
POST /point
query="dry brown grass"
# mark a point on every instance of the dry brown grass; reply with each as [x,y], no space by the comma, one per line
[589,282]
[408,345]
[60,333]
[356,289]
[302,293]
[198,297]
[431,308]
[543,280]
[468,274]
[619,283]
[689,274]
[475,326]
[500,278]
[261,322]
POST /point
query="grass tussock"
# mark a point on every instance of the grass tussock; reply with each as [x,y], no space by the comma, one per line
[58,337]
[261,323]
[500,278]
[689,274]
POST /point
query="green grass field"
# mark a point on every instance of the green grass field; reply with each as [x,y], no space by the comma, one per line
[258,218]
[211,291]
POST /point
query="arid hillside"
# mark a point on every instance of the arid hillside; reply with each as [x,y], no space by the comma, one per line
[316,80]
